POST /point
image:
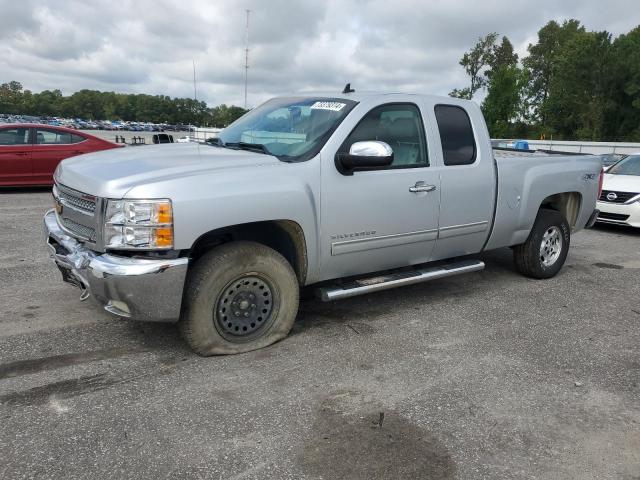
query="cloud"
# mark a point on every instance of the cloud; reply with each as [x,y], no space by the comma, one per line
[148,46]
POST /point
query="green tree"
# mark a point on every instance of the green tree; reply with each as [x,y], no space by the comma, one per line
[503,103]
[541,63]
[223,115]
[96,105]
[10,97]
[573,84]
[505,83]
[579,91]
[501,55]
[48,102]
[623,122]
[474,63]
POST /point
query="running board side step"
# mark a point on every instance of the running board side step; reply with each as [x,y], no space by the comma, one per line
[393,280]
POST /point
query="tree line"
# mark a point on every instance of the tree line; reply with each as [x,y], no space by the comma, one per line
[573,84]
[96,105]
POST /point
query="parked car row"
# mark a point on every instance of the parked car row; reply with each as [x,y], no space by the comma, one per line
[81,124]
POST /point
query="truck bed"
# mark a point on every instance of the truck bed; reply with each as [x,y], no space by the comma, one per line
[527,179]
[503,152]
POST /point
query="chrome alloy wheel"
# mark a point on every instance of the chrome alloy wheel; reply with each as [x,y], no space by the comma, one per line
[244,308]
[551,246]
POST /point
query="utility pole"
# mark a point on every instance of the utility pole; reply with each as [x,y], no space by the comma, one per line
[246,59]
[195,96]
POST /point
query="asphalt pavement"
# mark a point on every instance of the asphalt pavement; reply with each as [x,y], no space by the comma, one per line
[487,375]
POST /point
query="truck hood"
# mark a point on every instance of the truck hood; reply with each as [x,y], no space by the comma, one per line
[112,173]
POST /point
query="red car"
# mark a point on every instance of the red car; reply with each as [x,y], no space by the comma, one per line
[30,153]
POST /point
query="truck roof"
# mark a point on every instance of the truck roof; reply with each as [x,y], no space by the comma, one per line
[359,96]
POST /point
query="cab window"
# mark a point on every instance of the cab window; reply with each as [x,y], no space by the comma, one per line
[400,126]
[456,135]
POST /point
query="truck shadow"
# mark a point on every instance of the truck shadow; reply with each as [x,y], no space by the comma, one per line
[360,313]
[370,443]
[30,189]
[617,229]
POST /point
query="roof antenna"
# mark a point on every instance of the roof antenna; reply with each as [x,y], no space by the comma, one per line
[348,89]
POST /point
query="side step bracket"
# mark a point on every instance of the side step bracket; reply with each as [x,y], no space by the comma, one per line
[392,280]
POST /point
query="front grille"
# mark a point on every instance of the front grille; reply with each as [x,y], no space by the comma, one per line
[613,216]
[616,197]
[82,231]
[79,214]
[73,201]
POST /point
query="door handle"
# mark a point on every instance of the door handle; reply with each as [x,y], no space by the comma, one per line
[22,154]
[422,187]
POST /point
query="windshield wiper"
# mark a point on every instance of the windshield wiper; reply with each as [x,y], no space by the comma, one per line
[247,146]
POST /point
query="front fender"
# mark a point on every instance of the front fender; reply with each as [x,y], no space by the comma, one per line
[284,191]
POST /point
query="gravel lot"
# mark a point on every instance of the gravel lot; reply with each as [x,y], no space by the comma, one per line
[488,375]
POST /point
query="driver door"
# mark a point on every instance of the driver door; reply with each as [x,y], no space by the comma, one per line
[371,220]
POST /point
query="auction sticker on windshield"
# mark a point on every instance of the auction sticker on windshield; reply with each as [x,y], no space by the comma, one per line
[334,106]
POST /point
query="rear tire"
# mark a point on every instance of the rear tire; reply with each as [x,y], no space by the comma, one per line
[546,249]
[239,297]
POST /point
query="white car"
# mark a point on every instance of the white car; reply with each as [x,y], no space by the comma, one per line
[619,202]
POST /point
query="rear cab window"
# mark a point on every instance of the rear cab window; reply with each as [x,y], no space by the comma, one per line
[456,135]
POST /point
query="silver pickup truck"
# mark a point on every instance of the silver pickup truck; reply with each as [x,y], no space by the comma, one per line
[345,193]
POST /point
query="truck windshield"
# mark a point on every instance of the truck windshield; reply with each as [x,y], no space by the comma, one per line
[292,129]
[627,166]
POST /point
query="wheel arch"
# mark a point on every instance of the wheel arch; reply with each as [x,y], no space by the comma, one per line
[284,236]
[567,203]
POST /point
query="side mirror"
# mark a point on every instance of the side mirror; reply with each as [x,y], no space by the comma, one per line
[370,155]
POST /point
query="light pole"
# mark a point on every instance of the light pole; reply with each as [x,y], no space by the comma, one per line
[246,59]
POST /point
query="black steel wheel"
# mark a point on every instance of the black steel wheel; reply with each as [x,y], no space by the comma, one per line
[245,307]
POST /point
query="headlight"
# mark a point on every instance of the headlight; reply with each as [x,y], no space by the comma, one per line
[139,224]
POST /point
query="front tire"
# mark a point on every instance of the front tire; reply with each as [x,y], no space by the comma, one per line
[240,296]
[546,249]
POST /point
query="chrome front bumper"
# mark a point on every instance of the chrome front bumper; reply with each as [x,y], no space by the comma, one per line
[142,289]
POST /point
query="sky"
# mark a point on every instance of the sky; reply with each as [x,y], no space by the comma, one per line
[139,46]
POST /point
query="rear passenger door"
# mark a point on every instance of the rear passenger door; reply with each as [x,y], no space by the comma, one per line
[15,156]
[468,181]
[376,219]
[51,146]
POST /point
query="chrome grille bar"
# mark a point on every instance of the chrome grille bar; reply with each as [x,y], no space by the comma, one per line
[79,215]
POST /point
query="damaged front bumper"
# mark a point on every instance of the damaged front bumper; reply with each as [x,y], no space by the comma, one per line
[138,288]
